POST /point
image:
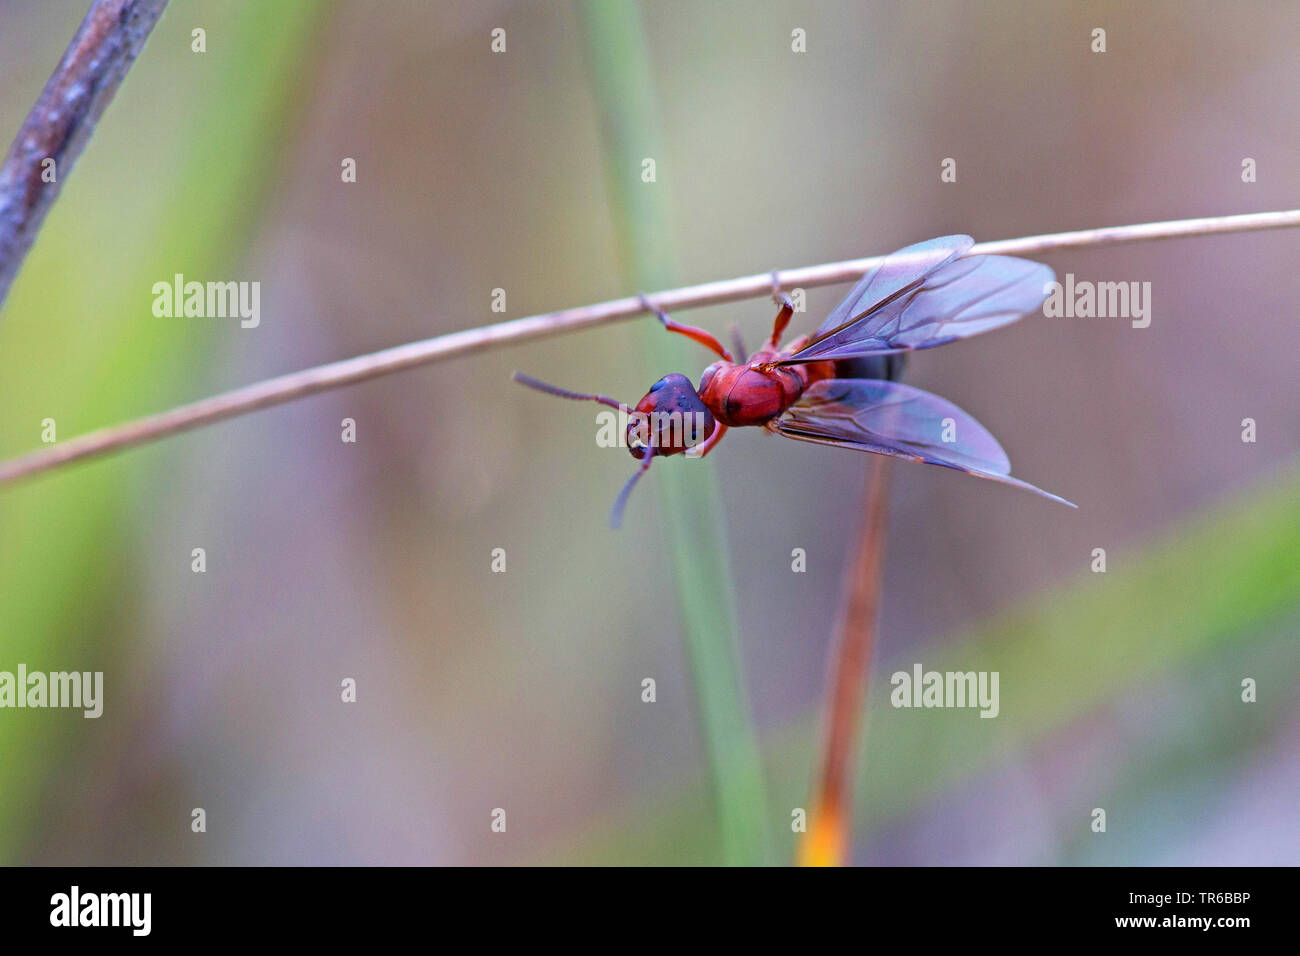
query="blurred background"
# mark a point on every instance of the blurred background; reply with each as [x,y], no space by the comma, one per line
[522,690]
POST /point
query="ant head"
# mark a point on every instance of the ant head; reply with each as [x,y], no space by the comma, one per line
[670,419]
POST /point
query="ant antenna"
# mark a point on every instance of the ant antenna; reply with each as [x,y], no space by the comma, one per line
[616,514]
[531,382]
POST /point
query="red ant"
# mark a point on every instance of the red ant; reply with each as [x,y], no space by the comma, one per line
[818,389]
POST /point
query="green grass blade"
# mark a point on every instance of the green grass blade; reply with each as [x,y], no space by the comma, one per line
[689,497]
[152,196]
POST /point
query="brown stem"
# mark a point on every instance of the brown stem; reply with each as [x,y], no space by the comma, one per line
[60,124]
[830,822]
[360,368]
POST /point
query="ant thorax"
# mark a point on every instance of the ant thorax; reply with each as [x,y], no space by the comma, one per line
[752,394]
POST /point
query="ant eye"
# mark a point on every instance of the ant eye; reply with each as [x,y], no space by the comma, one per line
[658,385]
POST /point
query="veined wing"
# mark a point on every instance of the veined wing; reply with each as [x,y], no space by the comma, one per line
[889,418]
[896,273]
[953,299]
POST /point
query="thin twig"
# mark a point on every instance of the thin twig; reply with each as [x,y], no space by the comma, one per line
[830,824]
[322,378]
[60,124]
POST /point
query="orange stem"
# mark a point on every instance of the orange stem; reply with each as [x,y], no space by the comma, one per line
[827,841]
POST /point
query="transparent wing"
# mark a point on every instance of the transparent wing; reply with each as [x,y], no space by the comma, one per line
[889,418]
[898,271]
[953,299]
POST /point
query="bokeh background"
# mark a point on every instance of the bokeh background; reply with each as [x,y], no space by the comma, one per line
[522,690]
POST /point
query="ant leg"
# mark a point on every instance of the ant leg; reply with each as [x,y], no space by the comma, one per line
[783,317]
[737,342]
[779,324]
[706,446]
[691,332]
